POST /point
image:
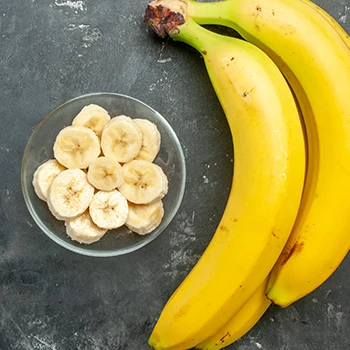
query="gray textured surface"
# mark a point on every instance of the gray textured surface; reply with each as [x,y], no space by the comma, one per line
[52,299]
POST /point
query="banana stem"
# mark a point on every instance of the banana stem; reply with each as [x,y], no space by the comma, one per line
[194,35]
[210,12]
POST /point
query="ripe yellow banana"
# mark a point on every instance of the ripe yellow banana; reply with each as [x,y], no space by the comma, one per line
[241,323]
[269,170]
[315,59]
[344,35]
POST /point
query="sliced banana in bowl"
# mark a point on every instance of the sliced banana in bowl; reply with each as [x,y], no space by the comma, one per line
[72,184]
[44,175]
[76,147]
[70,194]
[105,173]
[83,230]
[150,140]
[144,218]
[144,182]
[121,139]
[109,209]
[93,117]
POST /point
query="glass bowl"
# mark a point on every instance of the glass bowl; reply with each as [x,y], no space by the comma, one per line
[40,148]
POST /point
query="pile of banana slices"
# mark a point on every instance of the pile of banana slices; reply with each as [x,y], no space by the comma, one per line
[103,175]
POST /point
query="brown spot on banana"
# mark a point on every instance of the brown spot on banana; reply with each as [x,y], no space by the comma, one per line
[295,250]
[225,336]
[224,228]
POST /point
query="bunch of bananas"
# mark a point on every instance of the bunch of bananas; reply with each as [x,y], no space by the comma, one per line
[285,229]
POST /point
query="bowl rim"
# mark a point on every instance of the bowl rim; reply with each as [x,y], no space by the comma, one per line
[110,253]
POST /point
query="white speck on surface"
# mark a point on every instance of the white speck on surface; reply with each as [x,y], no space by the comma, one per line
[344,16]
[73,26]
[206,180]
[258,345]
[44,343]
[314,300]
[152,86]
[335,317]
[339,319]
[7,150]
[74,5]
[181,257]
[29,224]
[164,60]
[91,37]
[160,57]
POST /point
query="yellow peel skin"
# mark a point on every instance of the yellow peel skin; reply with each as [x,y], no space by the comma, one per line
[315,58]
[269,170]
[241,323]
[340,30]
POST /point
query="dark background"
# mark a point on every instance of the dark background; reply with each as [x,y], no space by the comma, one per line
[53,299]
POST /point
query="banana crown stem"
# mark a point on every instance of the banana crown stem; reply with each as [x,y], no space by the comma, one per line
[165,18]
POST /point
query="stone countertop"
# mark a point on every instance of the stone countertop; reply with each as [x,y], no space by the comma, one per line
[53,299]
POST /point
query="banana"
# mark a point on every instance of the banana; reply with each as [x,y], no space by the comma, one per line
[241,323]
[76,147]
[70,194]
[83,230]
[121,139]
[109,210]
[315,59]
[268,179]
[144,182]
[150,140]
[144,218]
[344,35]
[105,174]
[93,117]
[44,175]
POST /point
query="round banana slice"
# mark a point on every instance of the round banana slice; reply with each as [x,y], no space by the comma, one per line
[93,117]
[70,194]
[83,230]
[105,173]
[144,218]
[144,182]
[44,175]
[76,147]
[109,210]
[121,139]
[150,140]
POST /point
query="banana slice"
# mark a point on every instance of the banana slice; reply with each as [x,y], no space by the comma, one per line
[121,139]
[109,210]
[76,147]
[144,182]
[93,117]
[150,140]
[83,230]
[105,173]
[70,194]
[44,175]
[144,218]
